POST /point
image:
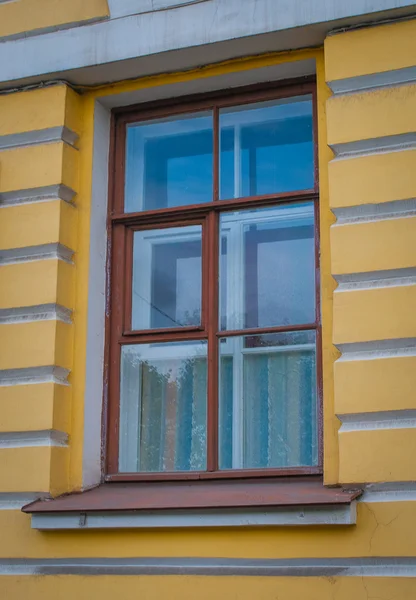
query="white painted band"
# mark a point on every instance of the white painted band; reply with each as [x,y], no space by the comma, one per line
[41,194]
[291,567]
[42,312]
[380,145]
[389,492]
[132,7]
[40,136]
[34,375]
[24,439]
[367,213]
[32,253]
[375,279]
[390,419]
[374,80]
[29,33]
[377,349]
[15,501]
[255,517]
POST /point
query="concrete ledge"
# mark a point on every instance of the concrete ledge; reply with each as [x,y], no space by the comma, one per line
[375,80]
[309,515]
[369,213]
[389,419]
[42,136]
[42,312]
[32,253]
[33,375]
[299,567]
[24,439]
[42,194]
[387,143]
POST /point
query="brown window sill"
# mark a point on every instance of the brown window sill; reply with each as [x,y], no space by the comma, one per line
[199,503]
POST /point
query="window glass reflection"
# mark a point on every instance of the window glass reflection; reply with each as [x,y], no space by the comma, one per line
[163,407]
[267,267]
[169,162]
[167,277]
[266,148]
[268,410]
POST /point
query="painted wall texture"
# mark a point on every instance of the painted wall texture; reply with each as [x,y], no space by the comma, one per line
[366,81]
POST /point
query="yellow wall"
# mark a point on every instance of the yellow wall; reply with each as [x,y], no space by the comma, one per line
[31,15]
[365,384]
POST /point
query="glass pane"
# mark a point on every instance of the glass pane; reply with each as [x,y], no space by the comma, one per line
[268,408]
[167,277]
[267,267]
[169,162]
[266,148]
[163,407]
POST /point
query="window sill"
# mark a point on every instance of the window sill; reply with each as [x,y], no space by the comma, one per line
[249,503]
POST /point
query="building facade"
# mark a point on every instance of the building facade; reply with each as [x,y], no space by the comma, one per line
[207,299]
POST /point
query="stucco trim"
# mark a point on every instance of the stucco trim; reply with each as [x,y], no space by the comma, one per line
[367,213]
[23,439]
[389,419]
[301,567]
[40,136]
[41,194]
[41,252]
[377,349]
[33,375]
[375,279]
[387,143]
[363,83]
[42,312]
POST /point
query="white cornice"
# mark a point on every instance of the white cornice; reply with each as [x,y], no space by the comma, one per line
[154,42]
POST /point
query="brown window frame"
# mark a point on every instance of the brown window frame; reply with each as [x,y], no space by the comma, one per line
[120,243]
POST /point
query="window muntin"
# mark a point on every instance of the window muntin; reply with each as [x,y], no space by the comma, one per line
[242,281]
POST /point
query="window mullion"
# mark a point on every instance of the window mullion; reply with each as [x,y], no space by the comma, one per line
[212,324]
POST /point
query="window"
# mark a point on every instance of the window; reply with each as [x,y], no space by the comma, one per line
[214,340]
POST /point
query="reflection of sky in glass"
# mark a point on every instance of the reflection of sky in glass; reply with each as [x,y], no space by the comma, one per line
[169,163]
[275,148]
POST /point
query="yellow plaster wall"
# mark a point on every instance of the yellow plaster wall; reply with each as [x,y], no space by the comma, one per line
[36,344]
[375,314]
[38,109]
[35,407]
[372,179]
[223,588]
[381,312]
[47,164]
[37,282]
[371,114]
[377,455]
[375,384]
[370,50]
[30,15]
[374,246]
[38,223]
[34,469]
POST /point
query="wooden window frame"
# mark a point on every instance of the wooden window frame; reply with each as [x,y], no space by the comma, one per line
[120,243]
